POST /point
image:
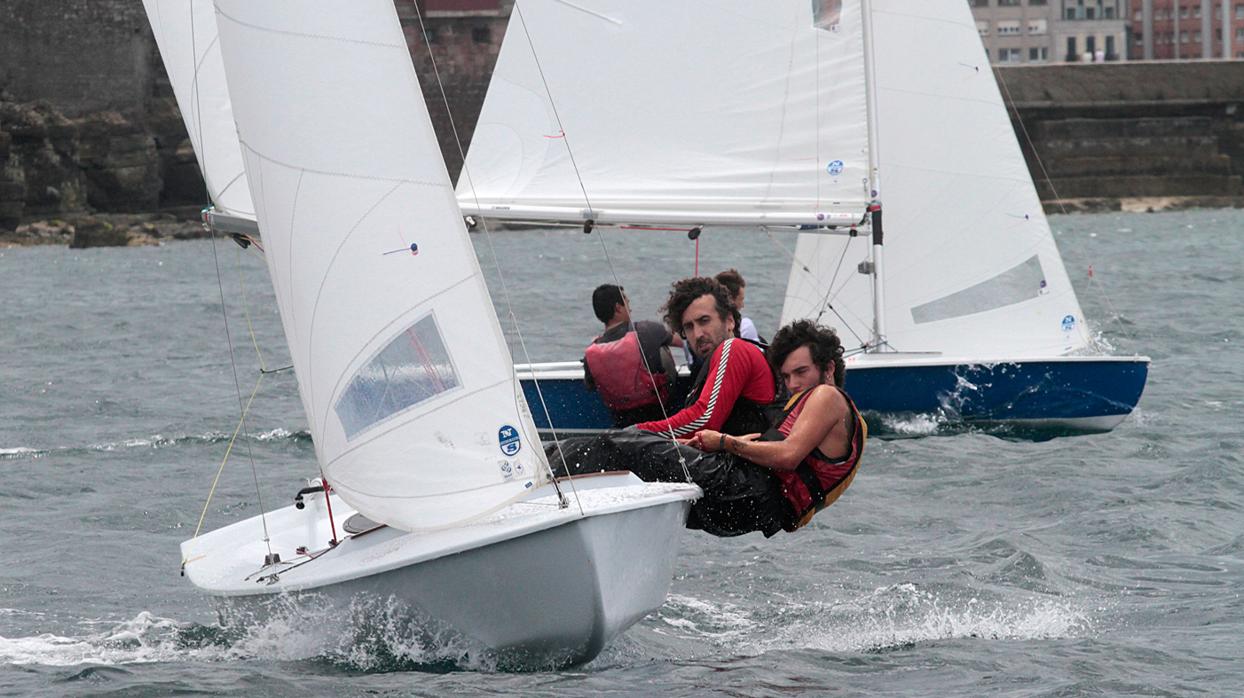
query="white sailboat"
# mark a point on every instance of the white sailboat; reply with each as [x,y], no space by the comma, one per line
[443,500]
[794,113]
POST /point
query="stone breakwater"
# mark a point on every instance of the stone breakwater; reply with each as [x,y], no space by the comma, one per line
[88,123]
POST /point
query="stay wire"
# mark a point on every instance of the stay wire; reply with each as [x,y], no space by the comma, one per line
[224,309]
[825,304]
[505,290]
[604,246]
[1045,175]
[243,407]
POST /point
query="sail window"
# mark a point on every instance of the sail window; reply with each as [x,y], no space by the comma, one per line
[1019,283]
[412,368]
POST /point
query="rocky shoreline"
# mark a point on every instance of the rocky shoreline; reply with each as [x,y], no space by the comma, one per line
[104,230]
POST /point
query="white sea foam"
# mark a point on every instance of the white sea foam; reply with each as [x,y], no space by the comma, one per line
[145,638]
[899,615]
[913,424]
[892,616]
[706,619]
[20,452]
[370,634]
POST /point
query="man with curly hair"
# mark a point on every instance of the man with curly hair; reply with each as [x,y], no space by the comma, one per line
[766,482]
[734,385]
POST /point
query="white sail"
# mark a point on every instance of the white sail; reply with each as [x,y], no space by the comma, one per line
[971,268]
[407,383]
[697,111]
[185,32]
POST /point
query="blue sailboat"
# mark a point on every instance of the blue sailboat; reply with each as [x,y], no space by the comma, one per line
[873,127]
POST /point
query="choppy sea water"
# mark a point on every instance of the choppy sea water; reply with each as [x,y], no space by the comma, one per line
[962,562]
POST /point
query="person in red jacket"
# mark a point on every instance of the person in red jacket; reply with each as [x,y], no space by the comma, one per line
[735,385]
[767,482]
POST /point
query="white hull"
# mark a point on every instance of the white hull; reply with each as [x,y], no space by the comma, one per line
[532,585]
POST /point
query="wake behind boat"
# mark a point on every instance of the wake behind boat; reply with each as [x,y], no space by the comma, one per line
[792,114]
[444,500]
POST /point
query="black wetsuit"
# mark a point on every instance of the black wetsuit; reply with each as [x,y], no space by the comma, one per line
[741,496]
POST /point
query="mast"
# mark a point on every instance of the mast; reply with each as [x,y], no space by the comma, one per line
[874,265]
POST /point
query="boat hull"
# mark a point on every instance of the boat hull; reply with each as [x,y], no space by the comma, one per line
[546,596]
[1072,394]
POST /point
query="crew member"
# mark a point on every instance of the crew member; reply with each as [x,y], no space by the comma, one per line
[766,482]
[634,385]
[734,283]
[735,385]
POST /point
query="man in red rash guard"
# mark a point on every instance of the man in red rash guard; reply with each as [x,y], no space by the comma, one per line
[735,384]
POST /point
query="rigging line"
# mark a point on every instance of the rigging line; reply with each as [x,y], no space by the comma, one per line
[224,310]
[803,267]
[553,105]
[1045,175]
[829,291]
[250,452]
[250,328]
[237,430]
[665,416]
[604,246]
[237,386]
[505,289]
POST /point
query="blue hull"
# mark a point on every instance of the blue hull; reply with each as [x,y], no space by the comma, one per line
[1062,395]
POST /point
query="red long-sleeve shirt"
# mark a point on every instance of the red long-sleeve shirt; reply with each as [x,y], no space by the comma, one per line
[736,369]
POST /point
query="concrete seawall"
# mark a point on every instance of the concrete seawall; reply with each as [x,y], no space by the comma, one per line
[88,123]
[1131,134]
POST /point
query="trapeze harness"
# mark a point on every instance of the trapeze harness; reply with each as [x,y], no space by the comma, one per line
[618,370]
[819,480]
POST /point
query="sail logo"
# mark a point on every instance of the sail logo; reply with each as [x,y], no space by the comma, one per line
[507,438]
[835,167]
[1069,323]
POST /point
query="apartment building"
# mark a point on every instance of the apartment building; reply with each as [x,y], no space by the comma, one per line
[1052,31]
[1187,29]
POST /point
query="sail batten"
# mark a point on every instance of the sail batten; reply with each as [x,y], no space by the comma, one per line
[408,386]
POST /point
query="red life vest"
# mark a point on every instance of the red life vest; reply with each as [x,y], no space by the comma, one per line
[618,370]
[819,480]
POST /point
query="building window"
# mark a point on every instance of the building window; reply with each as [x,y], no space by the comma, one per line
[980,3]
[1038,54]
[1107,12]
[1071,50]
[1183,37]
[1008,27]
[982,28]
[1239,34]
[1036,27]
[1008,3]
[1239,11]
[1110,55]
[1008,55]
[1071,13]
[1036,2]
[481,35]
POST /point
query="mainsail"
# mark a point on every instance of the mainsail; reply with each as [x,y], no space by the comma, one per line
[971,269]
[757,113]
[694,112]
[185,32]
[407,383]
